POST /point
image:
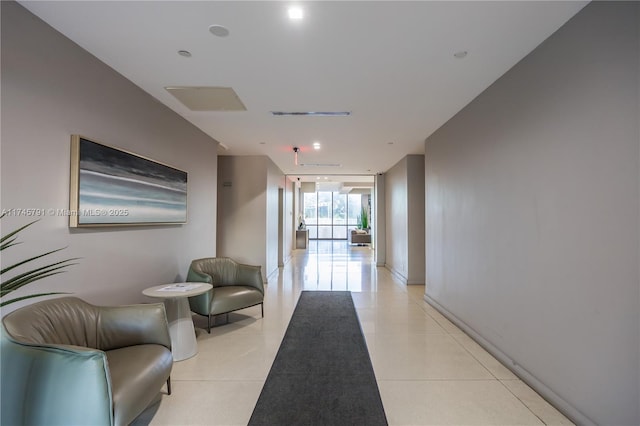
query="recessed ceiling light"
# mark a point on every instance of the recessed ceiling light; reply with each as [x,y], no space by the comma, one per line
[219,30]
[296,13]
[317,177]
[316,145]
[460,54]
[184,53]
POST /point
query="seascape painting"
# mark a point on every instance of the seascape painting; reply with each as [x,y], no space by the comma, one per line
[114,187]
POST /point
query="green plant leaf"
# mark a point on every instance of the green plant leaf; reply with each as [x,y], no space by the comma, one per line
[363,218]
[14,283]
[18,281]
[11,234]
[17,299]
[8,268]
[8,244]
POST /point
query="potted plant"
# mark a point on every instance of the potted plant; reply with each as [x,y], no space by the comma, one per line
[363,219]
[19,280]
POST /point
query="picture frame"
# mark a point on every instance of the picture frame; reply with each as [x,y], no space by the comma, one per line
[113,187]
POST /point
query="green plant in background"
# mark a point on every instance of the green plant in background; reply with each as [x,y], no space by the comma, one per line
[17,281]
[363,218]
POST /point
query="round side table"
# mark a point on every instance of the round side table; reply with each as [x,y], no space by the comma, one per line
[181,330]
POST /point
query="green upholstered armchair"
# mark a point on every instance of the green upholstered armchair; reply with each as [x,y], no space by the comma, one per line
[67,362]
[235,286]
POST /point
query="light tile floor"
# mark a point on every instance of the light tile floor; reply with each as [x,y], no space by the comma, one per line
[429,372]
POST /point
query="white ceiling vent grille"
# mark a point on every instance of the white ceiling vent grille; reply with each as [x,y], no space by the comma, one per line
[320,165]
[208,98]
[312,113]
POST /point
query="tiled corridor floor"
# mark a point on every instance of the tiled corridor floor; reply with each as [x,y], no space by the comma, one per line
[428,371]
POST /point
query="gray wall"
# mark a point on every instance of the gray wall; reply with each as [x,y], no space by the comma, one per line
[405,223]
[416,219]
[380,223]
[533,216]
[275,181]
[288,220]
[397,228]
[51,88]
[248,210]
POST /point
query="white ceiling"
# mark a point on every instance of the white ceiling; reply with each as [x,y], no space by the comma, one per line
[390,63]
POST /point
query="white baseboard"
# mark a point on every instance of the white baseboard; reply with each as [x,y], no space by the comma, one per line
[404,280]
[284,261]
[554,399]
[272,274]
[397,275]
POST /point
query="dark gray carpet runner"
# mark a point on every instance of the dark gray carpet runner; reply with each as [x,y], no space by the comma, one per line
[322,374]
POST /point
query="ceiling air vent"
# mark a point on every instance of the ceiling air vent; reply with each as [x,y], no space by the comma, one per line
[320,165]
[312,113]
[208,98]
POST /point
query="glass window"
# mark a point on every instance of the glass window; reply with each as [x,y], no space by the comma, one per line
[313,232]
[339,208]
[324,209]
[310,208]
[330,215]
[355,206]
[340,232]
[324,232]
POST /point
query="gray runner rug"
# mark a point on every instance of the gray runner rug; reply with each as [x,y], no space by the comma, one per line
[322,374]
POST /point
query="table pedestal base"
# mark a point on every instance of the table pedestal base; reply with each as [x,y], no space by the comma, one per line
[181,330]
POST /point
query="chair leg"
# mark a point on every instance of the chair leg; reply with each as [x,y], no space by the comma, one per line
[169,385]
[209,324]
[262,309]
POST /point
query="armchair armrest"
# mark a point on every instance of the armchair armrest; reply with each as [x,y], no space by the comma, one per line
[122,326]
[54,384]
[200,304]
[250,275]
[198,277]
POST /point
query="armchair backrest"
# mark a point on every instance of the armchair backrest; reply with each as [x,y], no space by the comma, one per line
[222,270]
[72,321]
[61,321]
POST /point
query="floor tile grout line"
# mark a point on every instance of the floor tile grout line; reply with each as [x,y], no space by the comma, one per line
[523,403]
[476,358]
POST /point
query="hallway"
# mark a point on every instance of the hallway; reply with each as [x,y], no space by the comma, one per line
[428,371]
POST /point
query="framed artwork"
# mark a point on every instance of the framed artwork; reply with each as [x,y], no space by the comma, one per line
[112,187]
